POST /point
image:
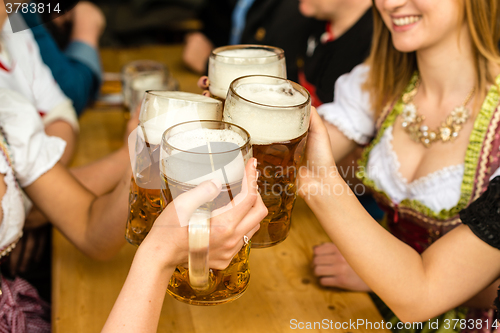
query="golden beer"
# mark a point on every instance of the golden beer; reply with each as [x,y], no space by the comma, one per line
[145,206]
[160,110]
[225,285]
[192,153]
[277,165]
[144,197]
[276,113]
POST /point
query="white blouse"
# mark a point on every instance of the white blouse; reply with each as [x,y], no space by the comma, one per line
[351,113]
[32,153]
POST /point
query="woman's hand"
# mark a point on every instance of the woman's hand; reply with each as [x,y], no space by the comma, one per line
[167,241]
[204,83]
[332,270]
[319,163]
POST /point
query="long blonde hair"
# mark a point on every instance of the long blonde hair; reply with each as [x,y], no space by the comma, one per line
[391,70]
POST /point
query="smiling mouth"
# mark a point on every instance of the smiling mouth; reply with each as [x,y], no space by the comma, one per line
[407,20]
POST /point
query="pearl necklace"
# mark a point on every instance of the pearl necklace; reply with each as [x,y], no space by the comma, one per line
[449,129]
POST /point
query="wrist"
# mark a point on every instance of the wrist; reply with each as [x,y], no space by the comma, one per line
[146,259]
[324,192]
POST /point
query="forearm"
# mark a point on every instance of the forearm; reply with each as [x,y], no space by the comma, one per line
[64,131]
[359,237]
[485,299]
[94,225]
[341,145]
[138,306]
[105,228]
[102,176]
[415,287]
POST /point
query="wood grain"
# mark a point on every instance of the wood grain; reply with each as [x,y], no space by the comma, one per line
[281,287]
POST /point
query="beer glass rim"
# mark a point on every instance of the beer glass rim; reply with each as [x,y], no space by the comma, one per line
[279,53]
[153,63]
[165,142]
[155,93]
[295,85]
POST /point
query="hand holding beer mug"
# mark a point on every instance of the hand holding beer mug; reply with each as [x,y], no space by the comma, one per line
[276,113]
[192,153]
[160,110]
[230,62]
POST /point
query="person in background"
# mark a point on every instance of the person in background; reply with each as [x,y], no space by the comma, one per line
[334,49]
[76,67]
[139,304]
[425,106]
[337,47]
[264,22]
[22,70]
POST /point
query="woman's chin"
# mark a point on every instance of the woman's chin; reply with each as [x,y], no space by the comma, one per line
[404,46]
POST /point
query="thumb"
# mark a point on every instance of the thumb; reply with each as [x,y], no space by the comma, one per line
[187,203]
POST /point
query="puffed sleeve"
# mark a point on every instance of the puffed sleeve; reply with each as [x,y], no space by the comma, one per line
[33,152]
[350,112]
[483,215]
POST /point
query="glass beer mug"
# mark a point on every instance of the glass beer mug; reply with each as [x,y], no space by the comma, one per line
[140,66]
[160,110]
[191,153]
[276,113]
[230,62]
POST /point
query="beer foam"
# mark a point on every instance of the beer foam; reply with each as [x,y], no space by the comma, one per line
[271,94]
[175,107]
[266,122]
[245,56]
[241,62]
[148,81]
[192,164]
[201,136]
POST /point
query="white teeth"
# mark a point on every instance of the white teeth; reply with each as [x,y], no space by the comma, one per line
[406,20]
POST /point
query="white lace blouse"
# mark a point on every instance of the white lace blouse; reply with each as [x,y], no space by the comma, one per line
[28,153]
[350,112]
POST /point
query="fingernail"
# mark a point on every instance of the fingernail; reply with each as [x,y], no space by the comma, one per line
[255,163]
[205,81]
[206,93]
[217,183]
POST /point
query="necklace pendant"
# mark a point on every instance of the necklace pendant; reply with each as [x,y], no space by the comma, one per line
[449,129]
[445,133]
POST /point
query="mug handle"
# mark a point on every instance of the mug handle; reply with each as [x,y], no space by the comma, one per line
[199,237]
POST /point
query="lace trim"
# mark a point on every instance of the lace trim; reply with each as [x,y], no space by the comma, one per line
[421,181]
[473,153]
[8,249]
[344,127]
[483,215]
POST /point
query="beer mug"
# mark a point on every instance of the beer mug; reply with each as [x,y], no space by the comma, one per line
[160,110]
[135,67]
[276,113]
[230,62]
[191,153]
[144,81]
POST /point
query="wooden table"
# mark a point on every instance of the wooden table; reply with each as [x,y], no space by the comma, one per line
[282,287]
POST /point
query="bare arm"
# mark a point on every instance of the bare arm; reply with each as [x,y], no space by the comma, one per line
[88,23]
[64,131]
[341,145]
[451,271]
[103,175]
[138,306]
[94,225]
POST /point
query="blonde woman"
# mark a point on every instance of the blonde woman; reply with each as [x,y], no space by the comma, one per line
[426,104]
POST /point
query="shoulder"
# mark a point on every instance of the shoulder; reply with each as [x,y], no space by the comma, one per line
[32,150]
